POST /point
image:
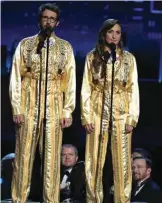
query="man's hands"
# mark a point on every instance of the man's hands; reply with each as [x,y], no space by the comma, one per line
[128,128]
[66,122]
[18,119]
[89,128]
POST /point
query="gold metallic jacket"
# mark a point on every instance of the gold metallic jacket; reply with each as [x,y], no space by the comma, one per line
[21,75]
[126,93]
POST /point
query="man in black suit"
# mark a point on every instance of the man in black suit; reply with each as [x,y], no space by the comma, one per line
[72,184]
[6,175]
[144,188]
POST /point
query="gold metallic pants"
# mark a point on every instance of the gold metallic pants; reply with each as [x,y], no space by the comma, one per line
[24,157]
[27,138]
[96,147]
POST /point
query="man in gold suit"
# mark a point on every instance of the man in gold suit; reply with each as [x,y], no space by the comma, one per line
[96,109]
[27,94]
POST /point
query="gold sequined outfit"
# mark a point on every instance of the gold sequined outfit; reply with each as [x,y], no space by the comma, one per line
[28,98]
[125,111]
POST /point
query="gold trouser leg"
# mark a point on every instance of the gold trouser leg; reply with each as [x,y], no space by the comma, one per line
[52,158]
[100,165]
[24,156]
[94,163]
[90,168]
[53,144]
[121,158]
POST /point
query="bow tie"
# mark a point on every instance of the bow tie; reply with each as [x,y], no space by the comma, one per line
[66,173]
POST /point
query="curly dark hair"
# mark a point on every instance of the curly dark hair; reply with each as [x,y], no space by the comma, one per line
[99,48]
[49,6]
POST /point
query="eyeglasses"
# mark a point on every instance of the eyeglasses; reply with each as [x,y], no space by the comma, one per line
[138,167]
[51,19]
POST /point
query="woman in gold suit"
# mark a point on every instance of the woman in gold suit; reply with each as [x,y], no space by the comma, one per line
[27,95]
[96,108]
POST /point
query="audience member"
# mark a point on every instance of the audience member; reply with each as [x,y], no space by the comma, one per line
[144,188]
[72,187]
[6,175]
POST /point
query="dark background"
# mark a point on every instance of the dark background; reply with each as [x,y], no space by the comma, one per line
[79,24]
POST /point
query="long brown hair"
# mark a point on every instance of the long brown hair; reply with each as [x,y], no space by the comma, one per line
[99,48]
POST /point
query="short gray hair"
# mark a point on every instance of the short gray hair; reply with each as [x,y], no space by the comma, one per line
[70,146]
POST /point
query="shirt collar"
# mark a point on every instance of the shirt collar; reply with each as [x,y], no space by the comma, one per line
[52,40]
[142,181]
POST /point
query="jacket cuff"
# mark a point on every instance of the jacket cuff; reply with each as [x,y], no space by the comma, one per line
[85,121]
[66,114]
[131,121]
[16,111]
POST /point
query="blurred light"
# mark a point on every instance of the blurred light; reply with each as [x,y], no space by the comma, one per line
[138,9]
[25,14]
[76,26]
[160,35]
[160,69]
[137,17]
[105,16]
[152,8]
[106,7]
[149,35]
[85,27]
[151,23]
[85,3]
[1,180]
[138,1]
[154,35]
[84,32]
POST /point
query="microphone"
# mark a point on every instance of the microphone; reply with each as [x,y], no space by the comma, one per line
[112,47]
[113,52]
[44,33]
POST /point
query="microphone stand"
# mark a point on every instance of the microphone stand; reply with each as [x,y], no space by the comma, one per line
[113,54]
[110,130]
[44,120]
[109,178]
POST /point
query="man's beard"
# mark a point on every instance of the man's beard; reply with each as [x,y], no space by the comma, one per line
[46,31]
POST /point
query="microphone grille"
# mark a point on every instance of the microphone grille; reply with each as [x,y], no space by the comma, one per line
[112,46]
